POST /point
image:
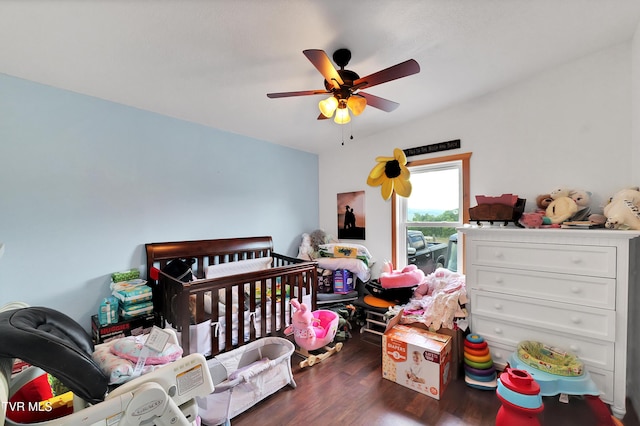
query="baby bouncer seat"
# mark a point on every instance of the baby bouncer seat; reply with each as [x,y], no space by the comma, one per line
[313,331]
[55,343]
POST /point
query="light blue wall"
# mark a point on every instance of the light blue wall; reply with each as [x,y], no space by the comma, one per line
[85,183]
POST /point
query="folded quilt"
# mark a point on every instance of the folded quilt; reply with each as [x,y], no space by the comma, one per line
[345,250]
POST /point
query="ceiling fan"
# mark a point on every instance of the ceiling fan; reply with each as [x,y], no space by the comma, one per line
[344,85]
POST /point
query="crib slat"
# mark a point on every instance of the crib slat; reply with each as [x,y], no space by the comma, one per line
[273,318]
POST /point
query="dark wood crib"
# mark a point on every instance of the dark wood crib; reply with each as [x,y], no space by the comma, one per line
[233,305]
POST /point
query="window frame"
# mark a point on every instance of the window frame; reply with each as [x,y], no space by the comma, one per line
[398,249]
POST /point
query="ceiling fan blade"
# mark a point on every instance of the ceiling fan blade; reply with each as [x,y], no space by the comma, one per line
[321,61]
[378,102]
[300,93]
[400,70]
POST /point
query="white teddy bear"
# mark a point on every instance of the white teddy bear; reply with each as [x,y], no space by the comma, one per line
[582,199]
[306,250]
[623,211]
[560,192]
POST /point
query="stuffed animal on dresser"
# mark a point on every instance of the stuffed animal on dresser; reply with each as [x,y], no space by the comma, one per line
[560,191]
[582,199]
[543,201]
[536,218]
[560,205]
[561,209]
[623,211]
[569,205]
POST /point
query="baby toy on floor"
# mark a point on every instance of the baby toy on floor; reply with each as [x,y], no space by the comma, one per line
[479,371]
[312,331]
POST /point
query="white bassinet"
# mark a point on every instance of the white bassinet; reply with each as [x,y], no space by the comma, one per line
[244,376]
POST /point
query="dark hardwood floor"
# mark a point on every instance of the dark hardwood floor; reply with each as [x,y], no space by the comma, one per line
[348,389]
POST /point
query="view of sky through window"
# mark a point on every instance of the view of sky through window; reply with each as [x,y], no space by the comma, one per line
[434,192]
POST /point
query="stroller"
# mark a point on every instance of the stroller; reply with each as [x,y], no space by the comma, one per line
[313,331]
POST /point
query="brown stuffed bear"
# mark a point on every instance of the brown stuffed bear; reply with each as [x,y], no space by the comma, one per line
[543,201]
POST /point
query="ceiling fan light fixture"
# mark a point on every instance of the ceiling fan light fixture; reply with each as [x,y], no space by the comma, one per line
[328,106]
[357,104]
[342,85]
[342,115]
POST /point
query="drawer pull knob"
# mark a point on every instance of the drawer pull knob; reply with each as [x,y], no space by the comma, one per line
[574,348]
[575,290]
[576,320]
[499,255]
[497,355]
[498,306]
[499,280]
[498,330]
[576,260]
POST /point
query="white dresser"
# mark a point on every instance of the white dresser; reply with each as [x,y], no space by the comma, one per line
[575,289]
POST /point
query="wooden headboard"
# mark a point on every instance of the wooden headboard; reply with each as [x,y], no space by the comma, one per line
[212,252]
[208,252]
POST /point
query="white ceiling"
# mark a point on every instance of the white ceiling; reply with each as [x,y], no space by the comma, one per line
[212,62]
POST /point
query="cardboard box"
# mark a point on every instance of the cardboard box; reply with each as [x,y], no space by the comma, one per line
[416,358]
[457,347]
[457,351]
[132,327]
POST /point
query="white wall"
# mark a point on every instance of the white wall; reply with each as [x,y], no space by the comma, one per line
[635,86]
[569,126]
[85,183]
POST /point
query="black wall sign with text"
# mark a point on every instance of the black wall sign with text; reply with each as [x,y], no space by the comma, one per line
[436,147]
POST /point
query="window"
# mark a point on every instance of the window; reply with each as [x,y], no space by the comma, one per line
[424,225]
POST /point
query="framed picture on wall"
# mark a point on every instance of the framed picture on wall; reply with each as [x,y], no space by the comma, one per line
[351,223]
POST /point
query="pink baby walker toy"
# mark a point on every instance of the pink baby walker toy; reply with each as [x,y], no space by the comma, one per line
[312,331]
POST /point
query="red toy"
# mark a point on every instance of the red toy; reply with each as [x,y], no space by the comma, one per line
[520,397]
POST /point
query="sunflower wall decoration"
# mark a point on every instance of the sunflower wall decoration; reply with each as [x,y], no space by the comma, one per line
[392,173]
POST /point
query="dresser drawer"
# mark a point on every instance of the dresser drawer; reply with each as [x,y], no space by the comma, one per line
[604,382]
[500,354]
[562,317]
[576,289]
[594,353]
[596,261]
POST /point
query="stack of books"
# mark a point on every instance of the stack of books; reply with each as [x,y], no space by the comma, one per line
[581,224]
